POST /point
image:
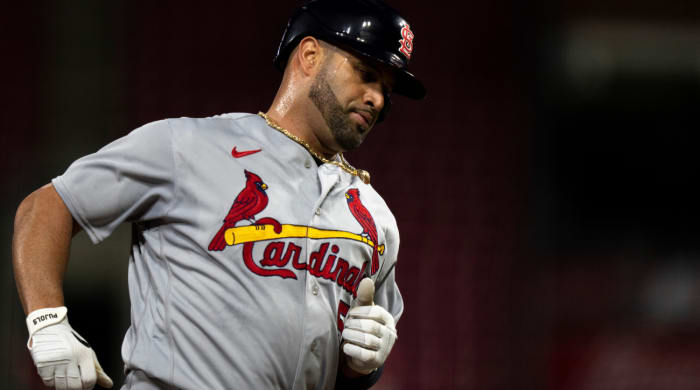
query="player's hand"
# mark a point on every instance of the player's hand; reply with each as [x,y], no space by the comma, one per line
[369,332]
[63,359]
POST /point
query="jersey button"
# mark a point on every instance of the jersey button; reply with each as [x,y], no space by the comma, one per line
[314,289]
[307,164]
[318,211]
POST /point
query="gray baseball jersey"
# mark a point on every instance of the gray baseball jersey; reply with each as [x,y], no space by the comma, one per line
[245,256]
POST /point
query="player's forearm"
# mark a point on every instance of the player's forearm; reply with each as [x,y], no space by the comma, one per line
[40,248]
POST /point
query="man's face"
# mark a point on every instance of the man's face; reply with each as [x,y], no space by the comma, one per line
[349,93]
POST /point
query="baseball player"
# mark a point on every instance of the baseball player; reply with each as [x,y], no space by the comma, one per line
[261,259]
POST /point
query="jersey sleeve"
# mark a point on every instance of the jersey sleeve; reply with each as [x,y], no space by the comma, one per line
[130,179]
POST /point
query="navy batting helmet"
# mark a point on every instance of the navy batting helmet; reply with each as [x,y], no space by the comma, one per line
[367,27]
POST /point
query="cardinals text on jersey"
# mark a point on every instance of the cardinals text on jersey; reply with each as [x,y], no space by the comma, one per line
[326,262]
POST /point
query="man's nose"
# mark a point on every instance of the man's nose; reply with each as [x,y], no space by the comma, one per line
[374,96]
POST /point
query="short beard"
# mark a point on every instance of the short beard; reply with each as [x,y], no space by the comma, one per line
[338,121]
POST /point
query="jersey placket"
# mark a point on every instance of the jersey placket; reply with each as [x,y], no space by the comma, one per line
[315,300]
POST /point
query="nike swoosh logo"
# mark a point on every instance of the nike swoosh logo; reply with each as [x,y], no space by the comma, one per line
[237,154]
[81,341]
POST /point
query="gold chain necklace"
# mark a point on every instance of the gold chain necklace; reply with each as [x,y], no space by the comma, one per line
[361,173]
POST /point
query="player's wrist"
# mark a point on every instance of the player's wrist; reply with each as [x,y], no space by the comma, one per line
[41,318]
[356,370]
[350,371]
[347,380]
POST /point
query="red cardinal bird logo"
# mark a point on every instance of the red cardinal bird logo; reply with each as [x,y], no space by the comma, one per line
[250,201]
[359,211]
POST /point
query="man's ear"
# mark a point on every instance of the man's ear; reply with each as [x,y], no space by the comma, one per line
[309,54]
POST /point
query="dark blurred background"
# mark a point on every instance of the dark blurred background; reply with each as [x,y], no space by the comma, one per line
[545,189]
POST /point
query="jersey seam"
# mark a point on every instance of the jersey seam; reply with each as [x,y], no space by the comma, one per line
[174,176]
[380,282]
[168,329]
[146,307]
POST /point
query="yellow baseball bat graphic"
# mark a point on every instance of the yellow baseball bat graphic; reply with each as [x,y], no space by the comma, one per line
[251,233]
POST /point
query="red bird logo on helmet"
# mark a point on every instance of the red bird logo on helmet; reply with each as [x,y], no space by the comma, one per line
[359,211]
[250,201]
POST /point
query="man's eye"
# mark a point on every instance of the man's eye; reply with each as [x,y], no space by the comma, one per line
[367,76]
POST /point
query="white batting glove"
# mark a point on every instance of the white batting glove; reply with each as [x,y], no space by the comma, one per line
[63,359]
[369,332]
